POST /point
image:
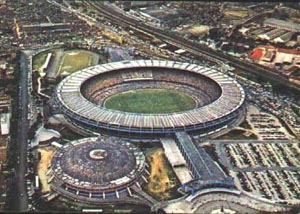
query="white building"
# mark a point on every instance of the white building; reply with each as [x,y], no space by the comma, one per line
[5,123]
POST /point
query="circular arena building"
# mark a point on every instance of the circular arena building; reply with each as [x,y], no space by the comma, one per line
[94,170]
[217,99]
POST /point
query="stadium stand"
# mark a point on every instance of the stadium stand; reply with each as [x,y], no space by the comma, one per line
[80,96]
[97,169]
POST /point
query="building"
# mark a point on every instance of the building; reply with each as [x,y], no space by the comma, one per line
[93,171]
[3,186]
[3,151]
[298,39]
[282,59]
[5,115]
[281,24]
[5,103]
[284,38]
[219,98]
[5,123]
[47,27]
[137,4]
[270,35]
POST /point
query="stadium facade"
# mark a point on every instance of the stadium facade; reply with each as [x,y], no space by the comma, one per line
[80,96]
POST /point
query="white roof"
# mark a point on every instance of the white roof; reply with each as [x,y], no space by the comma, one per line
[231,99]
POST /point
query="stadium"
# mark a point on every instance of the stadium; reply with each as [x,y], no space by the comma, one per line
[95,170]
[214,99]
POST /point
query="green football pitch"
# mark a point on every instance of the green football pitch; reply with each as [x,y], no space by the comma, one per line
[74,61]
[152,101]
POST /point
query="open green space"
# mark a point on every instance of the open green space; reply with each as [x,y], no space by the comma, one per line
[39,60]
[76,60]
[150,101]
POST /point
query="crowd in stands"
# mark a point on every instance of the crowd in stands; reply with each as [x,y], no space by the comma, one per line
[121,165]
[137,74]
[224,96]
[198,96]
[201,88]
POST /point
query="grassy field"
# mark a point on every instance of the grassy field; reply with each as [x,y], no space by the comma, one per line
[150,101]
[39,60]
[46,156]
[162,180]
[74,61]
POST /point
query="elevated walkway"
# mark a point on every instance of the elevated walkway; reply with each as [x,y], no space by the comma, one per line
[206,172]
[200,163]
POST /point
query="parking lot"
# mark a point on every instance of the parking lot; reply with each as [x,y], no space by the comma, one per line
[264,168]
[266,126]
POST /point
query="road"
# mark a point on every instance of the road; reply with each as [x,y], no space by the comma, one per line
[20,197]
[248,19]
[196,49]
[206,203]
[263,169]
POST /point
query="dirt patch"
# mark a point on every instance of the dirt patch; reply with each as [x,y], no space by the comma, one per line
[198,30]
[239,134]
[162,180]
[46,156]
[159,179]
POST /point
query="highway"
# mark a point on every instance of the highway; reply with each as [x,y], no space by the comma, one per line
[198,50]
[19,184]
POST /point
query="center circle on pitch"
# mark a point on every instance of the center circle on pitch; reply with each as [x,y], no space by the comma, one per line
[98,154]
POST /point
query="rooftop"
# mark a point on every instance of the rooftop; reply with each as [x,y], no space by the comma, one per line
[283,24]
